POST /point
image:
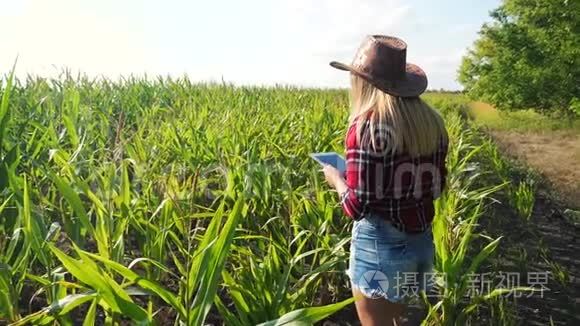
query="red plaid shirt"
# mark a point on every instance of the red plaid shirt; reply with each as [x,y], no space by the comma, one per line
[393,185]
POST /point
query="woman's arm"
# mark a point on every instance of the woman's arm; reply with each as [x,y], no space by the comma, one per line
[353,186]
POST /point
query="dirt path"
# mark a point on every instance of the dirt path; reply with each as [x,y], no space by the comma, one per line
[550,147]
[555,155]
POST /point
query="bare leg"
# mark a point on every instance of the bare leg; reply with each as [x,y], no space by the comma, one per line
[377,312]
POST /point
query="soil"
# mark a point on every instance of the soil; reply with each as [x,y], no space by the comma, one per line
[555,155]
[544,244]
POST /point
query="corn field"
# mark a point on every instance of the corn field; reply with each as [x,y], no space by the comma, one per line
[172,203]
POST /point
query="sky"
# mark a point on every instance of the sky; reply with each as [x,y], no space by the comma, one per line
[257,42]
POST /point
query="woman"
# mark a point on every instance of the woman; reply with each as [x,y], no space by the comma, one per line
[395,152]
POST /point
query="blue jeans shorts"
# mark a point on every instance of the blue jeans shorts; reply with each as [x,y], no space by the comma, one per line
[388,263]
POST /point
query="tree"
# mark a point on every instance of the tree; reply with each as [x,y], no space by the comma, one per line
[528,57]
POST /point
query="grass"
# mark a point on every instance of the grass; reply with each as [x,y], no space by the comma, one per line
[178,203]
[521,121]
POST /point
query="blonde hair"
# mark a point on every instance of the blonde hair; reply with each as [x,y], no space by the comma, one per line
[414,127]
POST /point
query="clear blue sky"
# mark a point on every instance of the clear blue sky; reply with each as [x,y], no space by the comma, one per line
[245,42]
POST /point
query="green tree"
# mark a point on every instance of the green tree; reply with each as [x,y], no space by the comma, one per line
[527,57]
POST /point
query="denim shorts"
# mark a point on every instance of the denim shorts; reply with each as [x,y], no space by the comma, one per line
[388,263]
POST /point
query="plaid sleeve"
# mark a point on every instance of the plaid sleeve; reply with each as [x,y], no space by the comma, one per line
[359,180]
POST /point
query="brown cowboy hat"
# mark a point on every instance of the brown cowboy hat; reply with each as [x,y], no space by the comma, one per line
[382,61]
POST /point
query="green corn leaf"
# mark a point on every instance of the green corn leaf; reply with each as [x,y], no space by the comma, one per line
[91,314]
[87,274]
[8,299]
[152,286]
[308,316]
[75,202]
[121,297]
[71,130]
[203,249]
[4,110]
[38,318]
[482,255]
[212,269]
[65,305]
[8,164]
[32,229]
[242,307]
[227,315]
[41,280]
[61,307]
[107,288]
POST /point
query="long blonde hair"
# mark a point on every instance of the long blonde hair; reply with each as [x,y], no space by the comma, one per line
[414,127]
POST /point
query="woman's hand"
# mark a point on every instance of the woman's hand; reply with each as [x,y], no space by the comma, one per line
[334,178]
[331,174]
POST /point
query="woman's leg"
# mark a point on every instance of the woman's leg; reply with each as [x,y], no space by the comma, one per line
[380,258]
[377,312]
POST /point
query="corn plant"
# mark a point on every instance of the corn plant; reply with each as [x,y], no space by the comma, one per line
[163,201]
[523,198]
[499,164]
[457,214]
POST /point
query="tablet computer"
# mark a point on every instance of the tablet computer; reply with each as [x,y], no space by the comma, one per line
[331,158]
